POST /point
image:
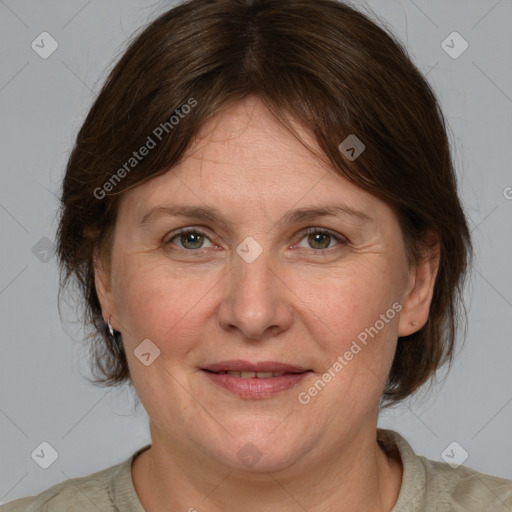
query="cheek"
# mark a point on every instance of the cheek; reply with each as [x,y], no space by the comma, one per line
[354,326]
[155,302]
[341,305]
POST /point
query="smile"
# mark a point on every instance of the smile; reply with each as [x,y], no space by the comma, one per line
[251,375]
[255,380]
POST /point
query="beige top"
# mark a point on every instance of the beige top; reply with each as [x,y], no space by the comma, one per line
[426,486]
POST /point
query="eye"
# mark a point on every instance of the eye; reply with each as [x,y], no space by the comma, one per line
[321,239]
[193,239]
[190,239]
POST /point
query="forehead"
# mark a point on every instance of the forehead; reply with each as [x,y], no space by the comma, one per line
[246,136]
[244,157]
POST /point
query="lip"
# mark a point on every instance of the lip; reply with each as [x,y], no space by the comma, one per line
[246,366]
[255,388]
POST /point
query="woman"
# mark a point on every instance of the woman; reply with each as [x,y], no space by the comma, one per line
[261,212]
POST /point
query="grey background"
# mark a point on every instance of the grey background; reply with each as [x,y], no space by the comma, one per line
[43,103]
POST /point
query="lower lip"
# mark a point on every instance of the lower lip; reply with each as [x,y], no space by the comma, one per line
[256,388]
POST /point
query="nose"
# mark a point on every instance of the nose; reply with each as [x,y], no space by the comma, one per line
[256,300]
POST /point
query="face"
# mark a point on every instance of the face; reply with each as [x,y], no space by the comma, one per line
[263,282]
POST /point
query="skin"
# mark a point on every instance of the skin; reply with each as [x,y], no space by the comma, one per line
[293,304]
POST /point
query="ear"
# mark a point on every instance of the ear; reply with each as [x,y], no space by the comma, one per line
[104,290]
[420,289]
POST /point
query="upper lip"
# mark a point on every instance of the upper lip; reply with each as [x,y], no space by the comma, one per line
[260,366]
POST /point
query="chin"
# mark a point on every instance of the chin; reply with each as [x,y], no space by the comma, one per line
[260,453]
[252,460]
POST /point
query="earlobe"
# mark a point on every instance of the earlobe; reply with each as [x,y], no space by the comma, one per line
[419,293]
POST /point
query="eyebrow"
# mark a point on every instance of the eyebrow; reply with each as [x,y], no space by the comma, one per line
[294,216]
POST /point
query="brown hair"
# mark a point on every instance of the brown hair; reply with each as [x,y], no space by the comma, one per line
[321,63]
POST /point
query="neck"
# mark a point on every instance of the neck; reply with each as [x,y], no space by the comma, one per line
[359,477]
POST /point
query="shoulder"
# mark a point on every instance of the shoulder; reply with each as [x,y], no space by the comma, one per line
[102,490]
[466,489]
[431,485]
[73,494]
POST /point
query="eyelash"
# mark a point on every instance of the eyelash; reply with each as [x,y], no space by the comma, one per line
[324,231]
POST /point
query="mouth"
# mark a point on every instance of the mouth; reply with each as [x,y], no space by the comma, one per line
[255,380]
[252,375]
